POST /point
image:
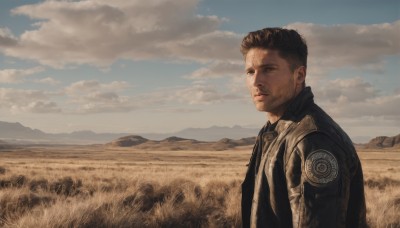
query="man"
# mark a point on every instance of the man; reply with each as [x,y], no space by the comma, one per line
[304,170]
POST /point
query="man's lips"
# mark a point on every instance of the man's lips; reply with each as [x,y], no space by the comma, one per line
[260,96]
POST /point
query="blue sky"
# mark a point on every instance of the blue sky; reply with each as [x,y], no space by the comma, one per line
[162,66]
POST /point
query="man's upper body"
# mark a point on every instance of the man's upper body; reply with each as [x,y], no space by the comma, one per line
[304,170]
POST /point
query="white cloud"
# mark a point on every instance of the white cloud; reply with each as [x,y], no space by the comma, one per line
[203,94]
[238,85]
[81,97]
[100,32]
[10,96]
[16,75]
[91,96]
[48,81]
[85,86]
[104,103]
[37,107]
[216,45]
[346,90]
[82,86]
[93,101]
[36,101]
[355,98]
[384,106]
[178,110]
[350,44]
[7,38]
[217,69]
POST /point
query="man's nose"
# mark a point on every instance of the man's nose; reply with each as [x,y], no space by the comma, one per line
[257,79]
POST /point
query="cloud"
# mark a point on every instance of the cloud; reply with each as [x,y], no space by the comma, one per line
[7,39]
[214,46]
[217,69]
[185,110]
[355,98]
[82,97]
[100,32]
[35,101]
[203,94]
[384,106]
[48,81]
[104,103]
[91,96]
[350,45]
[85,86]
[195,94]
[346,90]
[38,107]
[18,76]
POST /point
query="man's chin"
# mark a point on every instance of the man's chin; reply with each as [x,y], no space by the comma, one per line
[262,108]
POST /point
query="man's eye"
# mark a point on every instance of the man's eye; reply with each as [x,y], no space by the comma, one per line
[249,73]
[268,69]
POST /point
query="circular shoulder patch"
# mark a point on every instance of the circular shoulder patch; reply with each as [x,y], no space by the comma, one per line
[321,167]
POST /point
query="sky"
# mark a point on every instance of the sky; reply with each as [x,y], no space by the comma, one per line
[160,66]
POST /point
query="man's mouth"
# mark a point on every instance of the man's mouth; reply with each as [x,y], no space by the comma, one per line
[260,96]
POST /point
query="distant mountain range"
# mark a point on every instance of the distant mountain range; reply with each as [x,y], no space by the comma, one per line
[16,133]
[175,143]
[19,134]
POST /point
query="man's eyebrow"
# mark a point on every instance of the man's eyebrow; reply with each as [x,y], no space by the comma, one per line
[267,65]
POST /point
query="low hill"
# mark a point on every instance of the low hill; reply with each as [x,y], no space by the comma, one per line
[127,141]
[177,143]
[384,142]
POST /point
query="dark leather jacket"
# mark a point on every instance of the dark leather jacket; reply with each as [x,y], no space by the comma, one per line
[304,173]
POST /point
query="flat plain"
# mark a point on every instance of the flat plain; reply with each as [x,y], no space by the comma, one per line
[100,186]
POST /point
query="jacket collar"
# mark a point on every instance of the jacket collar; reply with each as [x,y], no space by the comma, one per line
[304,99]
[295,109]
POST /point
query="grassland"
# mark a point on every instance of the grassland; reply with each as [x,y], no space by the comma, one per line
[96,186]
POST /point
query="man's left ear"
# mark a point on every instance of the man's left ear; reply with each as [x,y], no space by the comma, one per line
[301,74]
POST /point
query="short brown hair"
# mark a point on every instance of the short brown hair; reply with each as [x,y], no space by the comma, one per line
[288,42]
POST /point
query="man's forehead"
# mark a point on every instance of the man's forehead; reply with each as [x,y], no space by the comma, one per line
[261,57]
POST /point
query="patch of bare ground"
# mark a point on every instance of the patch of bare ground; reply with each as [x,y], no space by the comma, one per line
[95,186]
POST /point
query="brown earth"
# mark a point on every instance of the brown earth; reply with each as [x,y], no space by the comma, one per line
[99,186]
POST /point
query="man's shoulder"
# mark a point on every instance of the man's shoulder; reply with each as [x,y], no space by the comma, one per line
[304,126]
[318,133]
[317,122]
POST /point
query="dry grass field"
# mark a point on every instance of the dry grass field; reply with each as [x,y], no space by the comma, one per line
[97,186]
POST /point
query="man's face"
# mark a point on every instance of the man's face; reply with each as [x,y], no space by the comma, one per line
[270,80]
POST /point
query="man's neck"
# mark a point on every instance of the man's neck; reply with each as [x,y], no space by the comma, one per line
[277,113]
[273,117]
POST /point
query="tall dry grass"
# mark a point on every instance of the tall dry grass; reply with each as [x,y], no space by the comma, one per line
[151,189]
[70,202]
